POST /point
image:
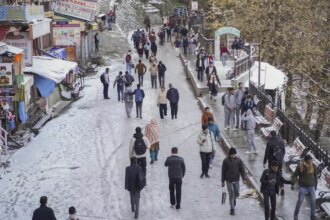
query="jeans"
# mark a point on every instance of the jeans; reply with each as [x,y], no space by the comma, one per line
[154,154]
[175,191]
[302,192]
[142,162]
[161,78]
[205,158]
[162,110]
[224,58]
[153,81]
[138,109]
[105,90]
[233,192]
[120,92]
[250,139]
[174,109]
[146,52]
[128,68]
[272,197]
[135,201]
[140,79]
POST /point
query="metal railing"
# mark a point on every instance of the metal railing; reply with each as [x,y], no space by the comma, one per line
[243,64]
[290,129]
[4,140]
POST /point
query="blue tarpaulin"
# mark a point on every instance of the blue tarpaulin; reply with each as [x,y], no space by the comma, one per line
[45,86]
[23,116]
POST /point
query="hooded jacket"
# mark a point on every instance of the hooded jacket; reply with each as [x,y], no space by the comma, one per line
[131,146]
[206,142]
[173,95]
[271,144]
[249,118]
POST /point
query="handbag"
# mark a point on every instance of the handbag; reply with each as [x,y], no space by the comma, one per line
[223,196]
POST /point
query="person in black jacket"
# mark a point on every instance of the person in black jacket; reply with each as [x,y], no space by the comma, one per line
[161,74]
[176,171]
[271,180]
[200,67]
[43,212]
[134,183]
[232,168]
[275,151]
[173,96]
[185,44]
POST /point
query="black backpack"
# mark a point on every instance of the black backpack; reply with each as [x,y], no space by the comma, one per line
[102,78]
[223,99]
[140,146]
[120,81]
[278,153]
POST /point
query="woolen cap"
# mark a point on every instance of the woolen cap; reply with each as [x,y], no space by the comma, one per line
[232,151]
[308,157]
[138,130]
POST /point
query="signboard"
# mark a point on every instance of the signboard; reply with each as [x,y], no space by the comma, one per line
[66,34]
[39,29]
[84,10]
[21,12]
[227,30]
[70,52]
[6,74]
[22,41]
[194,6]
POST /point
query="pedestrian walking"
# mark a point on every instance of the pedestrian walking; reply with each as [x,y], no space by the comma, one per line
[271,180]
[234,47]
[138,147]
[97,42]
[185,44]
[152,59]
[168,33]
[153,48]
[139,96]
[247,104]
[275,151]
[176,171]
[129,79]
[306,172]
[161,73]
[173,96]
[230,109]
[105,81]
[215,131]
[192,45]
[140,49]
[72,214]
[161,35]
[200,68]
[128,61]
[224,53]
[162,103]
[206,147]
[43,212]
[213,84]
[152,132]
[232,168]
[177,44]
[206,115]
[238,98]
[120,81]
[153,69]
[146,50]
[147,22]
[250,131]
[152,36]
[128,97]
[135,181]
[209,69]
[140,69]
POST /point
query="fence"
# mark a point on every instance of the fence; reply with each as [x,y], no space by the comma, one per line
[290,130]
[242,65]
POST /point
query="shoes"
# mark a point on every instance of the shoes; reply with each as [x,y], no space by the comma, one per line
[137,116]
[207,176]
[234,129]
[140,117]
[107,98]
[175,117]
[172,206]
[232,212]
[156,159]
[282,192]
[227,128]
[248,152]
[234,202]
[177,207]
[152,161]
[256,152]
[202,175]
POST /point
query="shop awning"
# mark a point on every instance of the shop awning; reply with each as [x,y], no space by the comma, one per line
[5,48]
[51,68]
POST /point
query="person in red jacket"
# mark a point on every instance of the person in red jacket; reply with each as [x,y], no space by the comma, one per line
[224,54]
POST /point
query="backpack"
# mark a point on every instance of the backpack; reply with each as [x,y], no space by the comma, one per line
[223,99]
[138,95]
[102,79]
[129,80]
[120,81]
[278,153]
[128,58]
[140,146]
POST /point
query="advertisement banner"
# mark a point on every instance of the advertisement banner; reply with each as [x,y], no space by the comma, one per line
[6,74]
[70,52]
[84,10]
[22,41]
[21,12]
[66,34]
[194,6]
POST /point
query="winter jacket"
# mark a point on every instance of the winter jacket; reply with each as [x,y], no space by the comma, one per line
[161,98]
[206,142]
[206,116]
[153,69]
[141,68]
[230,101]
[239,96]
[269,152]
[248,104]
[305,179]
[131,146]
[214,128]
[214,78]
[132,178]
[231,169]
[185,42]
[176,167]
[106,78]
[161,69]
[43,213]
[146,47]
[173,95]
[153,47]
[72,217]
[271,181]
[200,63]
[209,70]
[249,118]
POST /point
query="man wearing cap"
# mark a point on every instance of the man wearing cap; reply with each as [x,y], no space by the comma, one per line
[232,168]
[271,180]
[306,172]
[138,147]
[173,96]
